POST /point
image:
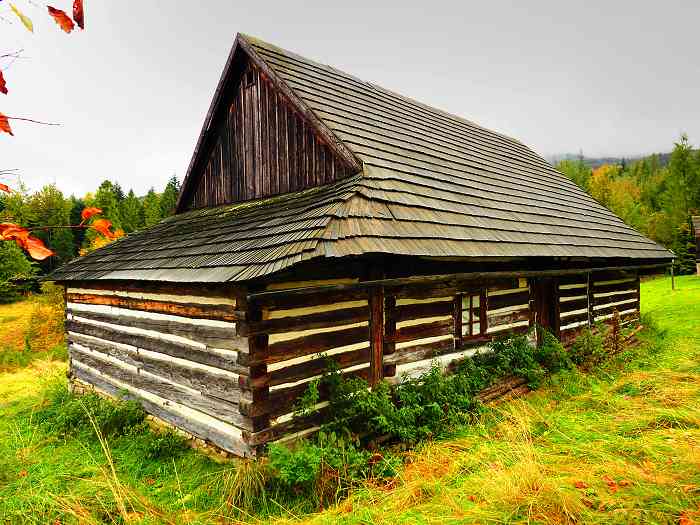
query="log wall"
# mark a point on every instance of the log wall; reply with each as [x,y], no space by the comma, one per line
[230,368]
[176,353]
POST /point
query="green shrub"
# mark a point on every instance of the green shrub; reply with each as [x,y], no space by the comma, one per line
[66,414]
[160,445]
[551,354]
[587,350]
[324,469]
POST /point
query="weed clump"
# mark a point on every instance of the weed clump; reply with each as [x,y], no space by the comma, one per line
[66,414]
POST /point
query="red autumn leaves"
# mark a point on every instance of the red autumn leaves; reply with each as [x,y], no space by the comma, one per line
[35,247]
[63,21]
[101,226]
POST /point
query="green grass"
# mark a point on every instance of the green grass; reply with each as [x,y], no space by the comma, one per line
[621,445]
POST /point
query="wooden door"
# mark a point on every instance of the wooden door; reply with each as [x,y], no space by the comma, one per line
[547,303]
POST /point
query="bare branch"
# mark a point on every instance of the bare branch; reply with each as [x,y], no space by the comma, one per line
[33,121]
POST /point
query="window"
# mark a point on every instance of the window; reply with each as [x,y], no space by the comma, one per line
[471,325]
[470,319]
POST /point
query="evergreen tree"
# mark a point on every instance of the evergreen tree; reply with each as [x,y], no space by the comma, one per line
[76,210]
[168,199]
[52,210]
[151,208]
[132,213]
[14,266]
[684,248]
[118,192]
[107,200]
[577,171]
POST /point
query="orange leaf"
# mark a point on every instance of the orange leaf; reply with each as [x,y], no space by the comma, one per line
[89,212]
[36,249]
[5,125]
[685,519]
[612,484]
[3,85]
[5,188]
[78,14]
[10,231]
[581,485]
[61,19]
[103,226]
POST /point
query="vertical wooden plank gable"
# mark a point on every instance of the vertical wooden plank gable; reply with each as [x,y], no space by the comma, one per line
[264,147]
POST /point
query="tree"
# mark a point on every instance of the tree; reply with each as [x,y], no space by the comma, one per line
[577,171]
[151,208]
[14,267]
[132,213]
[168,198]
[684,248]
[51,211]
[107,199]
[683,181]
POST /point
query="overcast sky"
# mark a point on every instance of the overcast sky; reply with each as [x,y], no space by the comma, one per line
[131,92]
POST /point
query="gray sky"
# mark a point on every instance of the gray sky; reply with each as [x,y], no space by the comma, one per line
[131,92]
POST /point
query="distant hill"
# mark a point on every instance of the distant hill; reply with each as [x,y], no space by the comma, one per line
[595,162]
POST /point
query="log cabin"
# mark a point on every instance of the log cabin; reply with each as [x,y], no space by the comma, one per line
[325,217]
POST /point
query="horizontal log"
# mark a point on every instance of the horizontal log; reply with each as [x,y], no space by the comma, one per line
[182,350]
[424,291]
[616,287]
[634,305]
[622,296]
[287,299]
[495,320]
[306,322]
[128,355]
[570,306]
[286,428]
[285,400]
[422,331]
[196,311]
[316,343]
[406,312]
[575,318]
[229,441]
[211,336]
[624,313]
[208,380]
[573,292]
[225,290]
[318,366]
[404,282]
[565,280]
[420,352]
[511,299]
[225,411]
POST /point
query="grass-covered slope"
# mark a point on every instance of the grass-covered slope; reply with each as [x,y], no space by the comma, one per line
[619,446]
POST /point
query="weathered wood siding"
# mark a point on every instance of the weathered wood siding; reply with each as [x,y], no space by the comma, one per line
[263,147]
[176,353]
[421,325]
[587,299]
[231,368]
[302,335]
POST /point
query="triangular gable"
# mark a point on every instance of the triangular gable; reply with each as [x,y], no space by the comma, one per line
[259,139]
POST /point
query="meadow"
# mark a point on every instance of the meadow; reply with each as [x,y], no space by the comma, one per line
[618,444]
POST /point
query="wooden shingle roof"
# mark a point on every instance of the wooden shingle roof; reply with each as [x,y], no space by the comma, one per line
[432,184]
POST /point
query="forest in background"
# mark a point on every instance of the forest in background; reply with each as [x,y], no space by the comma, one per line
[49,209]
[656,195]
